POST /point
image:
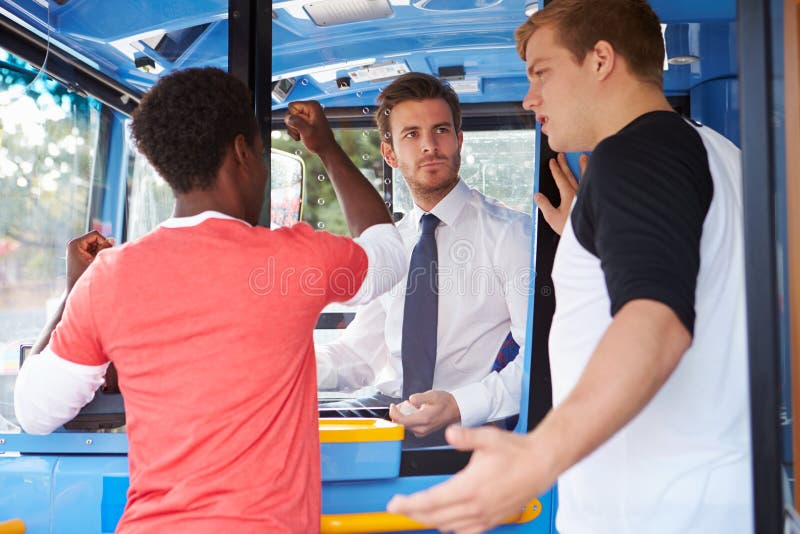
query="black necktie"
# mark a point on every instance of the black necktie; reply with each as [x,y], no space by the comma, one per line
[421,312]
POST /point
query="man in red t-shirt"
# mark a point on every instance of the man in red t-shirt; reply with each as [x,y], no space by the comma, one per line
[208,320]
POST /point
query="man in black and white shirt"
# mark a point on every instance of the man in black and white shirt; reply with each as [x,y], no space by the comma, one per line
[650,426]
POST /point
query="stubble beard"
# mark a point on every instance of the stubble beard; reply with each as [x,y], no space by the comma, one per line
[437,192]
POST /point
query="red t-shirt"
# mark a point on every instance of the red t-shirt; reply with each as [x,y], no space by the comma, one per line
[210,329]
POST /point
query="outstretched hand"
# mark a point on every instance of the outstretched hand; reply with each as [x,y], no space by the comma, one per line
[81,251]
[567,188]
[503,474]
[436,409]
[306,122]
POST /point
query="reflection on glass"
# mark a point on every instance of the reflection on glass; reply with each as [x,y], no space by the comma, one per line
[498,163]
[151,201]
[364,149]
[47,152]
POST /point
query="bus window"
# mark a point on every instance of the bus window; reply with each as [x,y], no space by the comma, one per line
[150,200]
[320,208]
[48,153]
[497,158]
[499,164]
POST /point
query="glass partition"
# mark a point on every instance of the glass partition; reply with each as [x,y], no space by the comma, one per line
[48,151]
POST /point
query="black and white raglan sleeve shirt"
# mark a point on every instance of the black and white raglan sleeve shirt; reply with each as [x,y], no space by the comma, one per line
[641,213]
[658,216]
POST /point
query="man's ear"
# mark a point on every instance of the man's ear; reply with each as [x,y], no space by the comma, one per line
[603,58]
[241,150]
[460,139]
[388,154]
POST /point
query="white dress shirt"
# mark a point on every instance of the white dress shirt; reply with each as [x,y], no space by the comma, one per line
[484,278]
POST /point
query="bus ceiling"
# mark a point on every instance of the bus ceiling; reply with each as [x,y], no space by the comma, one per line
[116,50]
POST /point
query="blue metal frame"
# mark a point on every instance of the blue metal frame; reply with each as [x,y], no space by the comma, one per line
[758,171]
[98,471]
[480,40]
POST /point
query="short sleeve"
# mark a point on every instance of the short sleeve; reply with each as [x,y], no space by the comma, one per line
[77,338]
[345,263]
[641,213]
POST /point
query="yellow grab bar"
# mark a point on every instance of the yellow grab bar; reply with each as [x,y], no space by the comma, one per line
[386,522]
[12,526]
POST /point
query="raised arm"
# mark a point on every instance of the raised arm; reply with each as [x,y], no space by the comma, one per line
[50,390]
[361,203]
[81,251]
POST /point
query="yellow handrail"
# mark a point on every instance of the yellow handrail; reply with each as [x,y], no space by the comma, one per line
[12,526]
[386,522]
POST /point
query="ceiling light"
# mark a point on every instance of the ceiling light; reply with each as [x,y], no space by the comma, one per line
[531,7]
[683,60]
[332,12]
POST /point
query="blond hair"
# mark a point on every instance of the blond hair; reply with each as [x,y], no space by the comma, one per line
[630,26]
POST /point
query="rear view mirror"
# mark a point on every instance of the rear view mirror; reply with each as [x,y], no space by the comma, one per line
[286,190]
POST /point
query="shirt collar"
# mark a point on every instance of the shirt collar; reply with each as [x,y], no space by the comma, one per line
[194,220]
[448,209]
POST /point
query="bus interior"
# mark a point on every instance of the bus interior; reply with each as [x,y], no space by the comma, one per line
[72,72]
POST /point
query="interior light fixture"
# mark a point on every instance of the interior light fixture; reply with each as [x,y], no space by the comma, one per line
[531,7]
[683,60]
[333,12]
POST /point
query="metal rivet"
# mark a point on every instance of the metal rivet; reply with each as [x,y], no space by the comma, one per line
[2,441]
[89,442]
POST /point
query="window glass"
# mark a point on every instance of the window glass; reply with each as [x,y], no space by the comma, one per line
[150,199]
[320,207]
[47,155]
[499,163]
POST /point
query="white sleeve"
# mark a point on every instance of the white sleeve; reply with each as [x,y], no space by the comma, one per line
[387,262]
[354,360]
[498,395]
[50,391]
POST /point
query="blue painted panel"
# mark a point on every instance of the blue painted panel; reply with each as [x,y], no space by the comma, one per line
[101,21]
[109,214]
[716,103]
[360,461]
[112,504]
[714,43]
[66,443]
[88,494]
[692,10]
[78,484]
[27,484]
[480,40]
[522,424]
[361,497]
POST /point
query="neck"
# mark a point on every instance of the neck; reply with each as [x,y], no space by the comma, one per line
[427,200]
[195,202]
[623,105]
